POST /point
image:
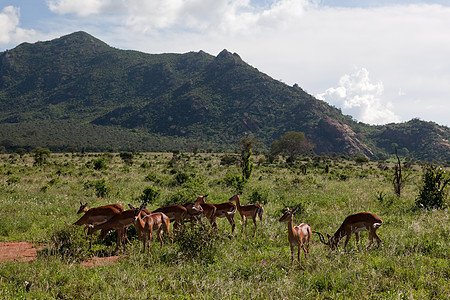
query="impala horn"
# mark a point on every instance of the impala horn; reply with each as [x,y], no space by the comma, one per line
[321,237]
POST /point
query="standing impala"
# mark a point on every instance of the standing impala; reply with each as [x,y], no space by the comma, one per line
[176,213]
[299,235]
[194,212]
[209,210]
[223,210]
[363,221]
[146,222]
[249,211]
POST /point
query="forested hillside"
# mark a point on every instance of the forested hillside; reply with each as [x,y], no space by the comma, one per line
[78,92]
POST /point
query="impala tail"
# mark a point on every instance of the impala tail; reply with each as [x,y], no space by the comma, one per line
[231,212]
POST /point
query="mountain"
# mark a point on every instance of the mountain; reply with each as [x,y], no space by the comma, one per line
[76,91]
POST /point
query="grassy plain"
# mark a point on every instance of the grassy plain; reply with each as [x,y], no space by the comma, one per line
[36,202]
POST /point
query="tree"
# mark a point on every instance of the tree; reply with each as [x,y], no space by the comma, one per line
[127,157]
[398,178]
[434,188]
[41,155]
[246,152]
[292,144]
[21,152]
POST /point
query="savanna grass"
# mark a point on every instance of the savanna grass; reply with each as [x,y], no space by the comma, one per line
[37,202]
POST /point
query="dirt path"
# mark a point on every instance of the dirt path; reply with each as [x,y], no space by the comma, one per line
[17,251]
[24,251]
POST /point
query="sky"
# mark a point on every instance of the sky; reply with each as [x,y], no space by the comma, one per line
[379,61]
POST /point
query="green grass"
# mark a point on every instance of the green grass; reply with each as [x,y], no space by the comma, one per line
[37,202]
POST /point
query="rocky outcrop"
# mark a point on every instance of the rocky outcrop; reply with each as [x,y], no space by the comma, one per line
[341,138]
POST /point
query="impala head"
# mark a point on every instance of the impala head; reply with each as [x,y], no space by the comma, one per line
[137,211]
[287,214]
[83,208]
[201,199]
[235,197]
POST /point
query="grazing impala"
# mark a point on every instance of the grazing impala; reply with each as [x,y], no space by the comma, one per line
[176,213]
[299,235]
[249,211]
[118,222]
[83,207]
[97,215]
[223,210]
[363,221]
[146,222]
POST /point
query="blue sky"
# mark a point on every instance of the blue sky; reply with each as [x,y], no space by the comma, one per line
[379,61]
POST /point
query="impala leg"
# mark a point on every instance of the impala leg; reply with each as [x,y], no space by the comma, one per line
[298,256]
[372,234]
[377,238]
[119,237]
[233,225]
[292,255]
[357,239]
[347,238]
[254,222]
[306,250]
[160,237]
[149,241]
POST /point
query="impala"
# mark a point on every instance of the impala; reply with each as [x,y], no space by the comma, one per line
[209,210]
[118,222]
[146,222]
[176,213]
[249,211]
[96,215]
[363,221]
[299,235]
[194,211]
[223,210]
[83,208]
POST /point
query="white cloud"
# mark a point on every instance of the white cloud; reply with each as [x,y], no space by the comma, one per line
[9,26]
[149,15]
[356,95]
[80,8]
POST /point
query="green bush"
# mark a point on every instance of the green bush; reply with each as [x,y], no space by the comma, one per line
[434,188]
[149,195]
[200,244]
[97,164]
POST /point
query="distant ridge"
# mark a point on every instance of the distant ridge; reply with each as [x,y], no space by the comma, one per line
[78,92]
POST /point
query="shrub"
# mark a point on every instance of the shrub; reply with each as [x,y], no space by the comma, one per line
[434,188]
[228,160]
[97,164]
[69,242]
[102,189]
[127,157]
[201,244]
[149,195]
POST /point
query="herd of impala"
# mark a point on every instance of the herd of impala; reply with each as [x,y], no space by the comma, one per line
[115,217]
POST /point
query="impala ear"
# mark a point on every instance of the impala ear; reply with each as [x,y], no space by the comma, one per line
[205,196]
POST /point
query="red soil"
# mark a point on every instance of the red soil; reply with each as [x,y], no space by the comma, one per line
[17,251]
[23,251]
